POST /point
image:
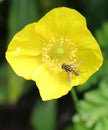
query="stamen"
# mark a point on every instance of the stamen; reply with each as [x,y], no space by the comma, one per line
[58,51]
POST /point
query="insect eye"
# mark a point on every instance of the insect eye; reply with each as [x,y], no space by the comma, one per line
[63,65]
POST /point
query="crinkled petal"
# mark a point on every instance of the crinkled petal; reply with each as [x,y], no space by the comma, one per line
[89,55]
[24,52]
[51,84]
[60,22]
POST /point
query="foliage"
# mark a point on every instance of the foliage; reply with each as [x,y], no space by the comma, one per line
[44,115]
[93,109]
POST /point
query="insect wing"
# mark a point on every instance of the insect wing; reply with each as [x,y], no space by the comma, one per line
[69,78]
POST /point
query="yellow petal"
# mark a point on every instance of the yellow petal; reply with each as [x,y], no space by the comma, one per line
[89,54]
[51,84]
[60,22]
[24,51]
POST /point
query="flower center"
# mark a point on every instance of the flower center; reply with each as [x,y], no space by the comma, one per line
[59,51]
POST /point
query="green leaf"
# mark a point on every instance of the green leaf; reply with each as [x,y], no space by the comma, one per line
[92,81]
[1,1]
[15,86]
[96,97]
[102,35]
[80,126]
[104,87]
[102,124]
[93,109]
[21,13]
[69,127]
[3,85]
[44,115]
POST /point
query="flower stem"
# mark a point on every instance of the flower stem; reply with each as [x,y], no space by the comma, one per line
[74,95]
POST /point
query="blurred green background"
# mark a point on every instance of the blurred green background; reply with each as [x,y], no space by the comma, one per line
[21,107]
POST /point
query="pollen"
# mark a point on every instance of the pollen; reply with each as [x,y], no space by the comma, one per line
[59,51]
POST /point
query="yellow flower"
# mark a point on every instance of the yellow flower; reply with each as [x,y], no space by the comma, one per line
[57,52]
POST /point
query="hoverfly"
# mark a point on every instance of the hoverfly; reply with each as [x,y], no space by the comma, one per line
[70,70]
